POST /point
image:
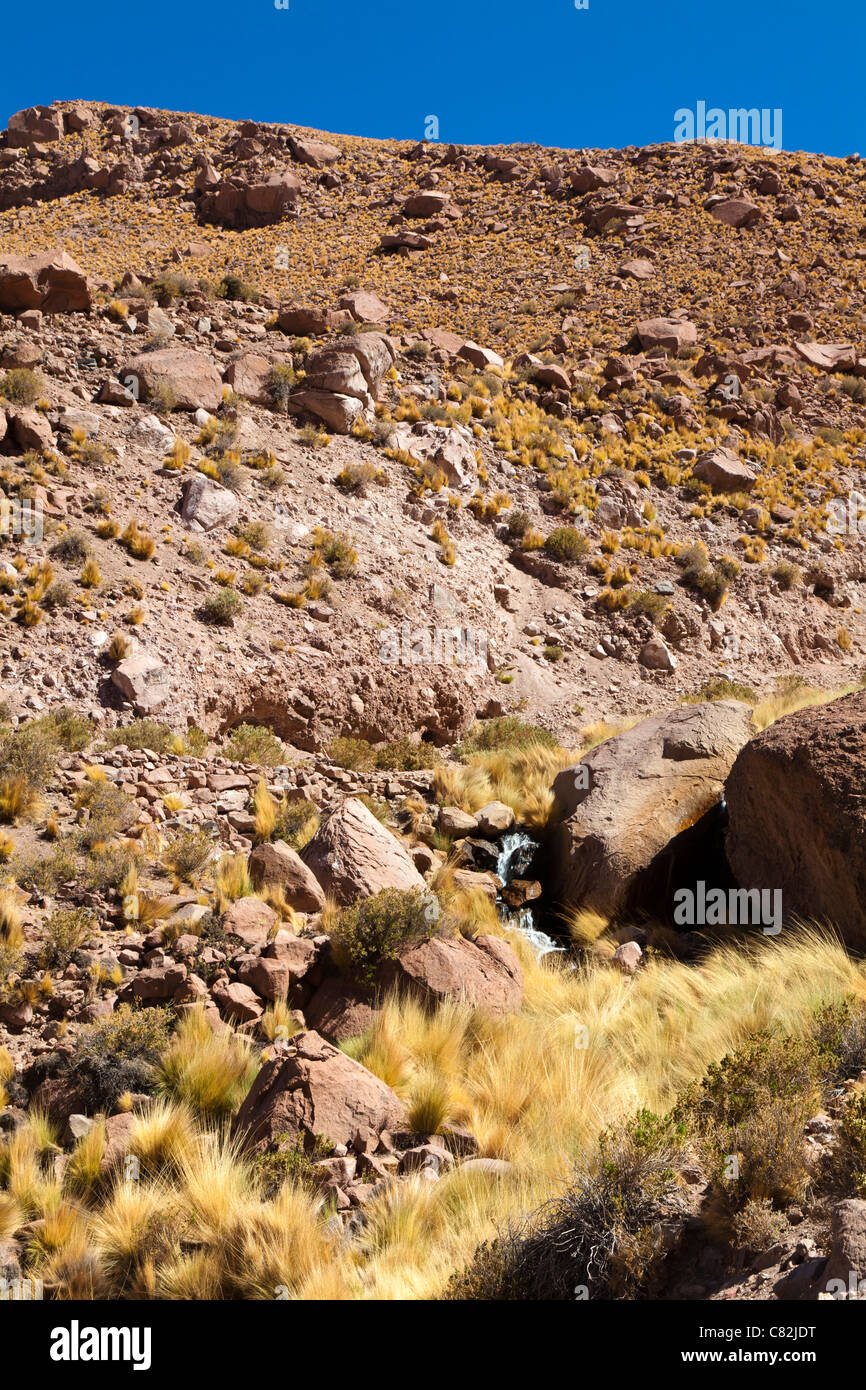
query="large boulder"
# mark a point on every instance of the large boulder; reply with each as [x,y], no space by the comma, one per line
[311,1089]
[829,357]
[670,334]
[724,472]
[336,411]
[36,125]
[191,377]
[278,864]
[239,204]
[143,680]
[205,504]
[341,1009]
[736,212]
[632,795]
[50,280]
[846,1267]
[795,802]
[353,856]
[485,973]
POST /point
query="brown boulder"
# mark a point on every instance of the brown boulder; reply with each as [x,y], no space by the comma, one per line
[484,973]
[340,1009]
[795,801]
[724,472]
[50,280]
[736,212]
[670,334]
[190,376]
[279,864]
[250,920]
[353,856]
[313,1089]
[632,795]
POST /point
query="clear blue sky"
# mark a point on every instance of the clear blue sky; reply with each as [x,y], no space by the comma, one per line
[493,71]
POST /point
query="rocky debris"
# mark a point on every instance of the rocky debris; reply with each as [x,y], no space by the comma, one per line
[736,212]
[670,334]
[191,378]
[233,202]
[312,1089]
[341,1009]
[276,863]
[205,504]
[794,799]
[250,920]
[632,795]
[50,281]
[484,973]
[724,472]
[452,450]
[353,856]
[143,681]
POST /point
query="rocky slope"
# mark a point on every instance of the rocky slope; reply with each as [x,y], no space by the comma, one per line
[671,353]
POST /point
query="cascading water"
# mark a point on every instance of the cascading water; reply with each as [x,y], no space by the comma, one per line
[516,852]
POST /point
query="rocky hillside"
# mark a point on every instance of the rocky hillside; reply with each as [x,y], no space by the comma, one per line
[431,713]
[443,361]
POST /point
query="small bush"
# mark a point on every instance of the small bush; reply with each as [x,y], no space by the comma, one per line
[567,544]
[67,930]
[220,610]
[254,743]
[374,930]
[120,1053]
[507,731]
[21,386]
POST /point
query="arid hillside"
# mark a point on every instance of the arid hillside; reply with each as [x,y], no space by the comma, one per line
[432,716]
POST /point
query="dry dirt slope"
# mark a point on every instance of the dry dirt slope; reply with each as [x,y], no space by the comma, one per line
[550,260]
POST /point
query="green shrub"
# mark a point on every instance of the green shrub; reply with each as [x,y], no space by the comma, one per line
[255,743]
[374,930]
[220,610]
[120,1053]
[506,731]
[603,1235]
[21,386]
[67,930]
[567,544]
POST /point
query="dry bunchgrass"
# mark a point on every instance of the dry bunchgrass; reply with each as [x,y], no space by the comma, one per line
[587,1049]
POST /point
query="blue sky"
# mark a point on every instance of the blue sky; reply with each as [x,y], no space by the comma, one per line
[493,72]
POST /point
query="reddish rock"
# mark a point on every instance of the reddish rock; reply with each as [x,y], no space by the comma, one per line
[485,972]
[278,863]
[191,377]
[250,920]
[736,212]
[353,856]
[340,1009]
[795,802]
[314,1089]
[50,280]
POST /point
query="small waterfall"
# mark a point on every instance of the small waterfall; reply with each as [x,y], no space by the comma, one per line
[517,850]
